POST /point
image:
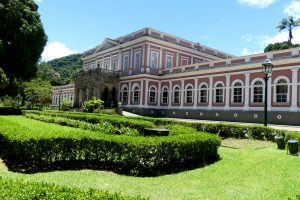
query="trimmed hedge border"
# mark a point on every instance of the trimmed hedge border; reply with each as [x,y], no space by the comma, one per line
[19,189]
[26,149]
[224,130]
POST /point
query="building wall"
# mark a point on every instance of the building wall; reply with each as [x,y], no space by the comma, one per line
[245,74]
[62,92]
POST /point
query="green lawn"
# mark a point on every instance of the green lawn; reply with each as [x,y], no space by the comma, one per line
[248,170]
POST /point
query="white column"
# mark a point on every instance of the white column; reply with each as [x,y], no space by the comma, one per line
[158,94]
[294,98]
[143,54]
[119,59]
[182,93]
[246,91]
[170,93]
[111,62]
[210,93]
[192,59]
[160,58]
[141,92]
[146,93]
[177,59]
[131,58]
[227,92]
[195,92]
[129,94]
[270,86]
[148,56]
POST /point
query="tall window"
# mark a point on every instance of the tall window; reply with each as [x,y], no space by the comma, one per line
[169,61]
[281,91]
[137,59]
[165,95]
[136,94]
[189,94]
[176,95]
[203,93]
[154,60]
[126,62]
[152,95]
[237,92]
[114,67]
[219,93]
[258,92]
[124,95]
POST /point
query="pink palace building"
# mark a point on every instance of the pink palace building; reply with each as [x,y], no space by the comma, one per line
[157,74]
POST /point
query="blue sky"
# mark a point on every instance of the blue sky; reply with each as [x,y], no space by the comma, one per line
[238,27]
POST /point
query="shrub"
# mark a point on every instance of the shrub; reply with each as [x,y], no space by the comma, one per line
[32,146]
[92,104]
[66,104]
[19,189]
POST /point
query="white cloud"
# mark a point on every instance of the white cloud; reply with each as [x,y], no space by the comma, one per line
[38,1]
[293,9]
[283,36]
[56,50]
[247,37]
[257,3]
[246,51]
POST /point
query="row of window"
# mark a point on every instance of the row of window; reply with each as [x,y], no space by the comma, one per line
[55,100]
[154,57]
[257,90]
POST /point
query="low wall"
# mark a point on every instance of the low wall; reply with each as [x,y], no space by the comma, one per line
[286,118]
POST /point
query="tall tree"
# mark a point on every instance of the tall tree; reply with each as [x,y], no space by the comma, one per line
[288,23]
[22,38]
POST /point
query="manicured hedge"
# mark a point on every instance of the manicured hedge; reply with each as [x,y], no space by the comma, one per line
[32,146]
[104,127]
[19,189]
[115,120]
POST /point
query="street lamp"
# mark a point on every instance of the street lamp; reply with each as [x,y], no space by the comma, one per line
[267,68]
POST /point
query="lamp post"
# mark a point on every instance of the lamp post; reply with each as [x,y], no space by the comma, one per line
[267,68]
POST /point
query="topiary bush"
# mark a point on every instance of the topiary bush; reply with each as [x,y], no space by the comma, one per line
[92,104]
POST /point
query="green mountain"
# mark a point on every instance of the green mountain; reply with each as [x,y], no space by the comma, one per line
[62,69]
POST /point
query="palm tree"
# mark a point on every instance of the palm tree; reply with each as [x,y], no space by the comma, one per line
[288,23]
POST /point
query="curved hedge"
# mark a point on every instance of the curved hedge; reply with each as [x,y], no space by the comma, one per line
[32,146]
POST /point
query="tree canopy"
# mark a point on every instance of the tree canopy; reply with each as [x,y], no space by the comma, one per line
[22,38]
[288,23]
[280,46]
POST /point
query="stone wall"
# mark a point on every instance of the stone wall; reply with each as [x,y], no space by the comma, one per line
[103,84]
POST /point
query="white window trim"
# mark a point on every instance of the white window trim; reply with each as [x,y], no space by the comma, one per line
[134,54]
[207,90]
[162,95]
[182,58]
[122,92]
[232,90]
[155,89]
[106,61]
[223,88]
[275,92]
[114,61]
[124,56]
[157,62]
[166,61]
[173,93]
[185,93]
[132,90]
[252,89]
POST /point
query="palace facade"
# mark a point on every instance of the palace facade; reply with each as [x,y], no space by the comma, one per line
[157,74]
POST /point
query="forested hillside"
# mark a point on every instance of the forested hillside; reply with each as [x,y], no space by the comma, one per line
[63,69]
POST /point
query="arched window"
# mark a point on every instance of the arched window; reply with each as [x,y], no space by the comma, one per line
[176,95]
[165,95]
[258,91]
[189,94]
[136,94]
[124,95]
[281,91]
[152,95]
[219,93]
[203,93]
[237,92]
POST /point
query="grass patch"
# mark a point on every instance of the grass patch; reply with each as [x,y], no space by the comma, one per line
[243,173]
